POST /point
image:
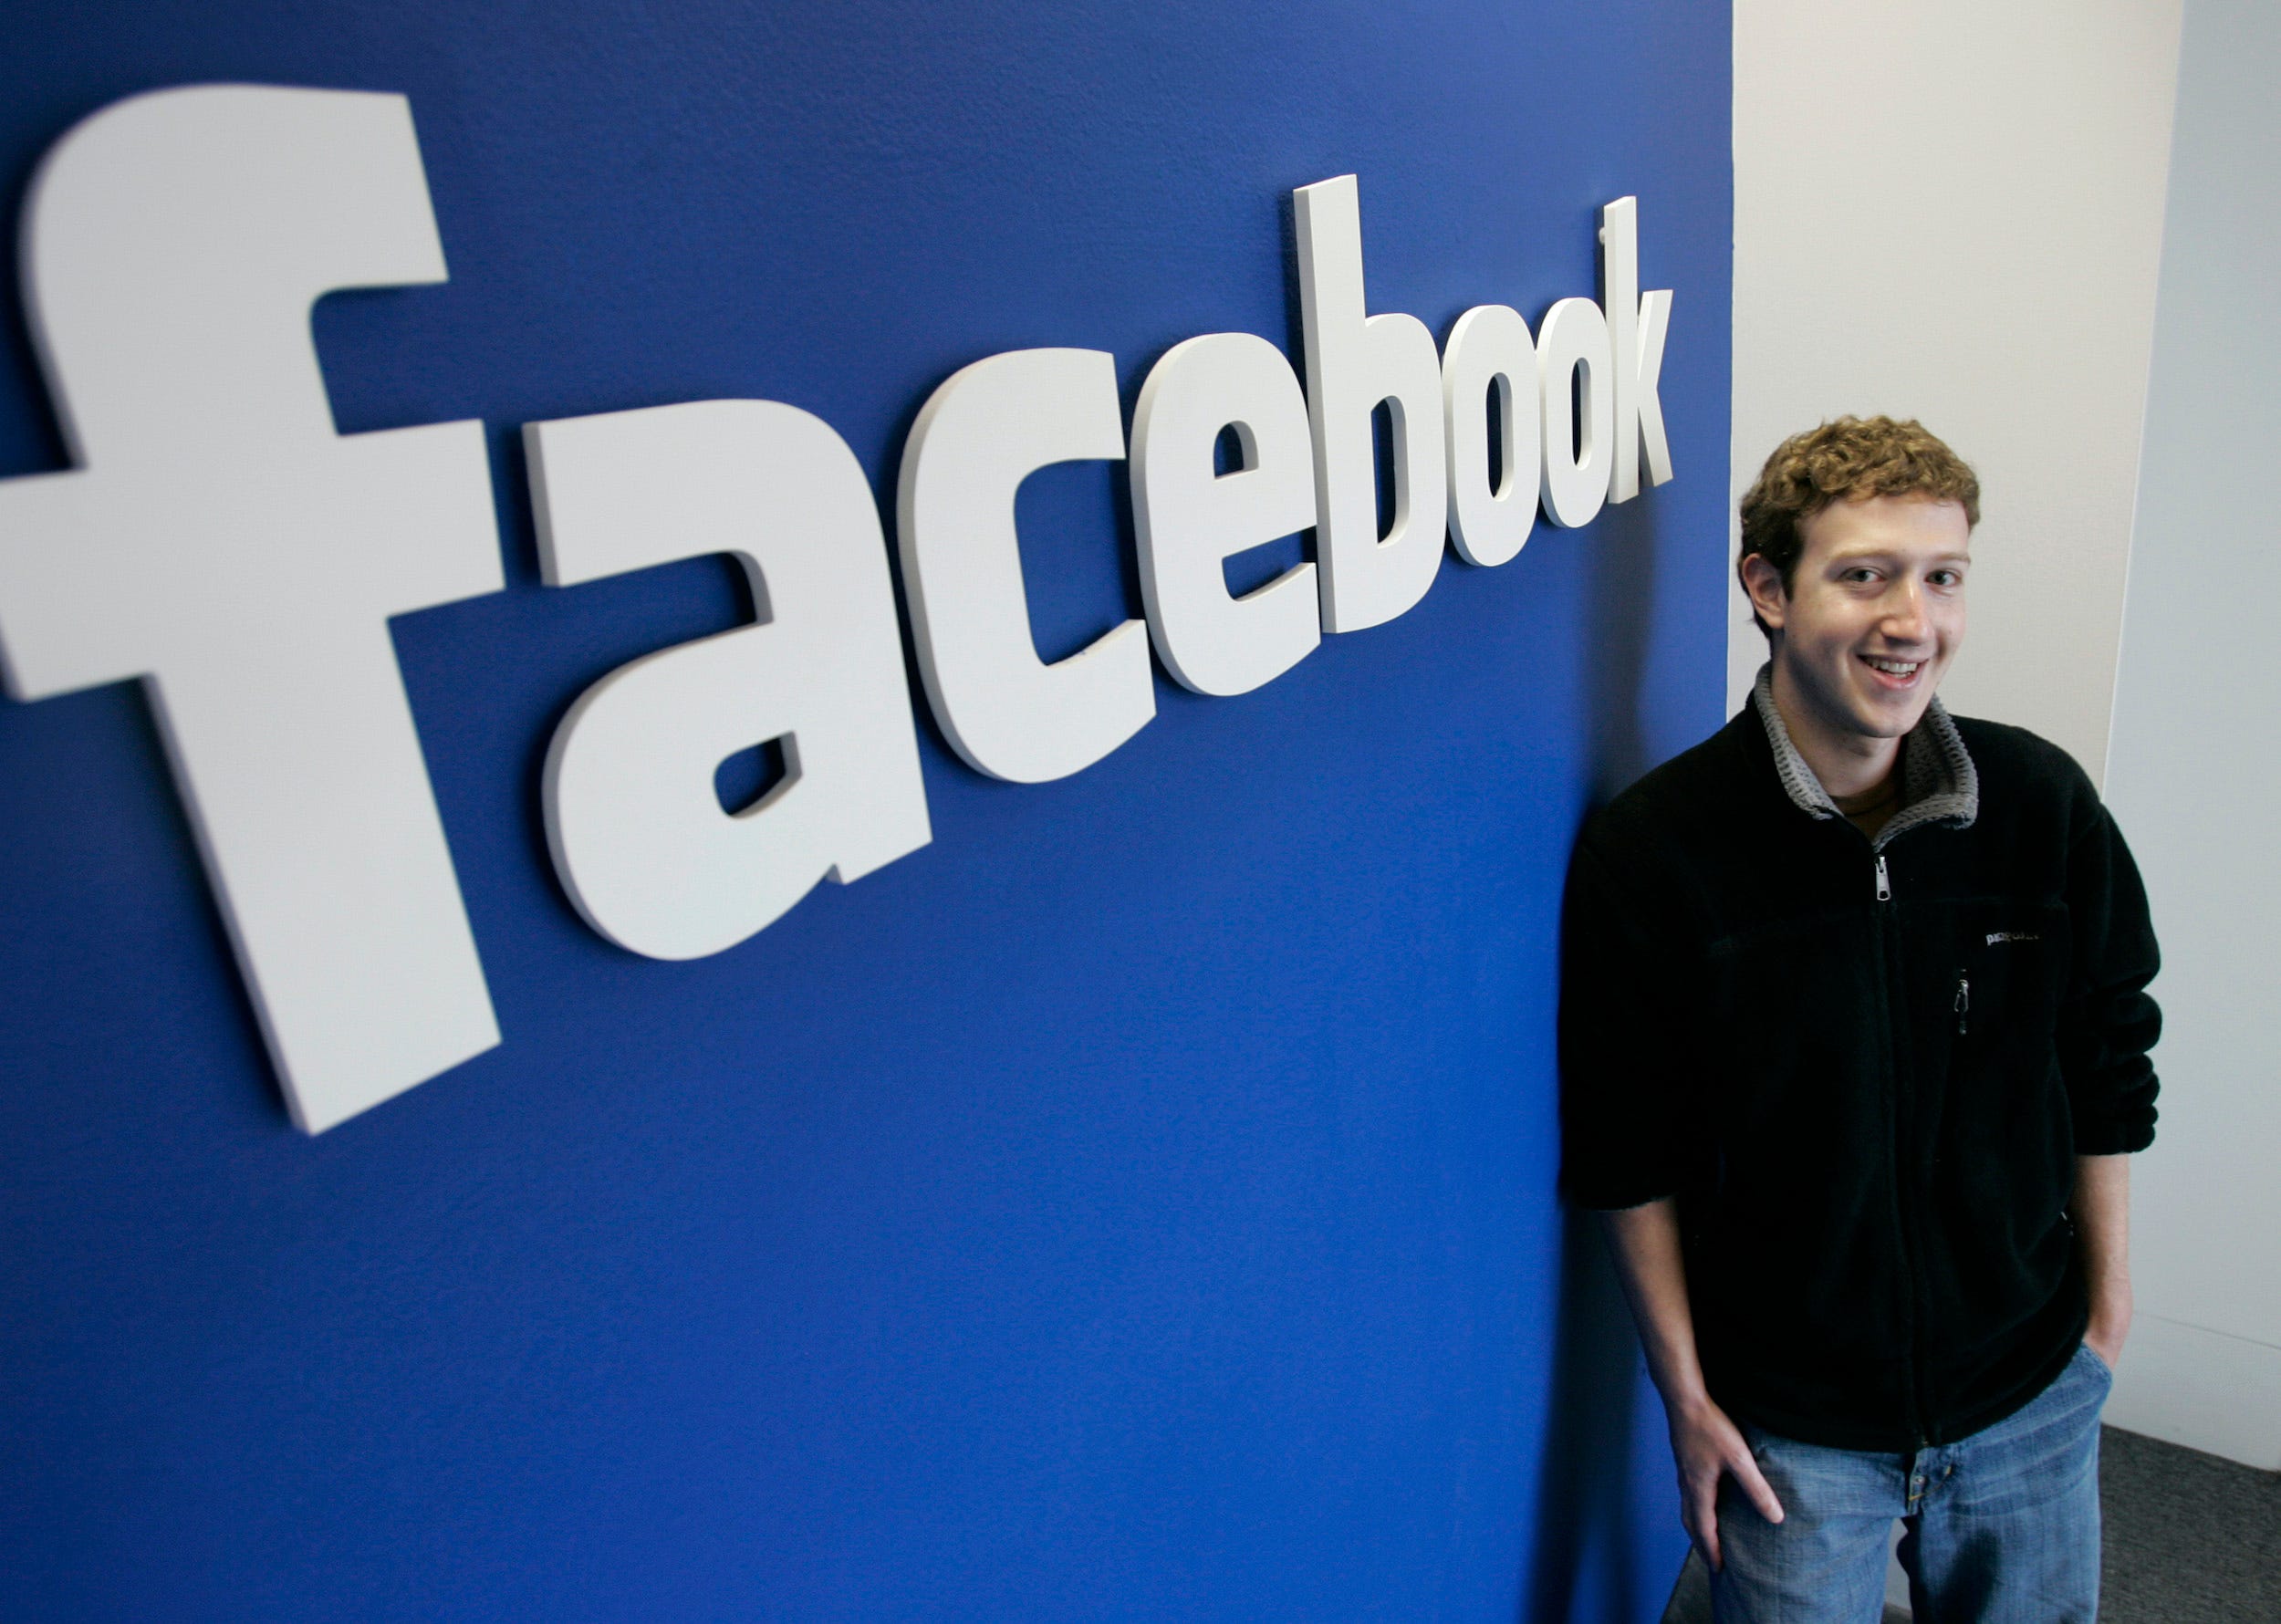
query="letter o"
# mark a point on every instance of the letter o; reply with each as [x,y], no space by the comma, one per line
[1576,465]
[1489,349]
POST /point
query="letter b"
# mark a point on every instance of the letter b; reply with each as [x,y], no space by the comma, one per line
[1355,362]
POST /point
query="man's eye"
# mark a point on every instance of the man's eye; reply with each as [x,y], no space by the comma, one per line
[1946,578]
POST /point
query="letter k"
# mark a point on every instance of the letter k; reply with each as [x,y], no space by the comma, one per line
[1637,324]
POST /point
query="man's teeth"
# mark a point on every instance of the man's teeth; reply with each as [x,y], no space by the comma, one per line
[1899,668]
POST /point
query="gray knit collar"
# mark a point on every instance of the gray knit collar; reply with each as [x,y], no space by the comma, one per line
[1938,782]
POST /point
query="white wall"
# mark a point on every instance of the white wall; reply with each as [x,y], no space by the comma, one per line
[2195,773]
[1952,210]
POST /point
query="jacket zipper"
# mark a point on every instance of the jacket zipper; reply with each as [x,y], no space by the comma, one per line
[1964,1000]
[1915,1363]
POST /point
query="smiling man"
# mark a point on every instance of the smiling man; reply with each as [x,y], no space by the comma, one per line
[1854,1038]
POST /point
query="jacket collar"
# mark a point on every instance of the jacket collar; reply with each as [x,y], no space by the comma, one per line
[1938,781]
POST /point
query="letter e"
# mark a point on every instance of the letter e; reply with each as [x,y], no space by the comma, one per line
[1188,520]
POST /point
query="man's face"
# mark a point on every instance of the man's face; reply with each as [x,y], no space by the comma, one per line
[1874,613]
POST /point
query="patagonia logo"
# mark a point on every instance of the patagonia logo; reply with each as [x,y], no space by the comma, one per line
[1997,936]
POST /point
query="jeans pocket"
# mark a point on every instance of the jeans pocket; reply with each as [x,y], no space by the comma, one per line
[2106,1370]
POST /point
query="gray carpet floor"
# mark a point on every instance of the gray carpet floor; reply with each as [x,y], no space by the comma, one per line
[2189,1539]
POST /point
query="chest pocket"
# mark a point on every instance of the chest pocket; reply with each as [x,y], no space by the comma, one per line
[2009,976]
[2004,1103]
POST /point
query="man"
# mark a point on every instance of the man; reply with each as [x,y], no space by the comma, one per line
[1853,1041]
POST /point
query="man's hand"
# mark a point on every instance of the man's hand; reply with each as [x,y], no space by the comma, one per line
[1708,1446]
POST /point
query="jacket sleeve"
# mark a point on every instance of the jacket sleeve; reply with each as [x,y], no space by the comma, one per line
[1622,1140]
[2108,1022]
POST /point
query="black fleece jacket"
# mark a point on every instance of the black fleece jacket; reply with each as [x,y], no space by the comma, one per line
[1868,1106]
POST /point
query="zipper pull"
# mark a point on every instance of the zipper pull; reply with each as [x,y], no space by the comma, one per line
[1885,880]
[1964,1000]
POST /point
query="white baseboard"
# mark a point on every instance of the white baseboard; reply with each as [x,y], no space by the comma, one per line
[2204,1388]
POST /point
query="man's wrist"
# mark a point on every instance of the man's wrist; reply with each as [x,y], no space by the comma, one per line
[2109,1323]
[1691,1406]
[2110,1302]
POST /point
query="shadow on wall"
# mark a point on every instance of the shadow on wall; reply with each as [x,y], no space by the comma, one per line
[1583,1566]
[1584,1561]
[1622,619]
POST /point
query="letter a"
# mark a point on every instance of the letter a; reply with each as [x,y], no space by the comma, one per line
[217,539]
[639,836]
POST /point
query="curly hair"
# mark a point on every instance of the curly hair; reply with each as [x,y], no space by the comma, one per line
[1850,458]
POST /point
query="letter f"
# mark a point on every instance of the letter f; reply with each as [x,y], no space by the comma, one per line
[218,539]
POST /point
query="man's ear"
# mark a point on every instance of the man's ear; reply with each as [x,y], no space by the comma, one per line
[1763,582]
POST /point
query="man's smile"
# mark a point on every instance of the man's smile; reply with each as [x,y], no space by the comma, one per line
[1898,674]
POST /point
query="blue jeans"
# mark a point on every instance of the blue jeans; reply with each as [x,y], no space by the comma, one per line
[2002,1527]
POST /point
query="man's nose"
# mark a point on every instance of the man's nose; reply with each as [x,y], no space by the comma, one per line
[1904,612]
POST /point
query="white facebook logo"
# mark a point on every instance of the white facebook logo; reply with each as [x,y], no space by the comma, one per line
[218,540]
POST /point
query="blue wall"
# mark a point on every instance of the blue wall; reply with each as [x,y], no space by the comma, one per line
[1139,1203]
